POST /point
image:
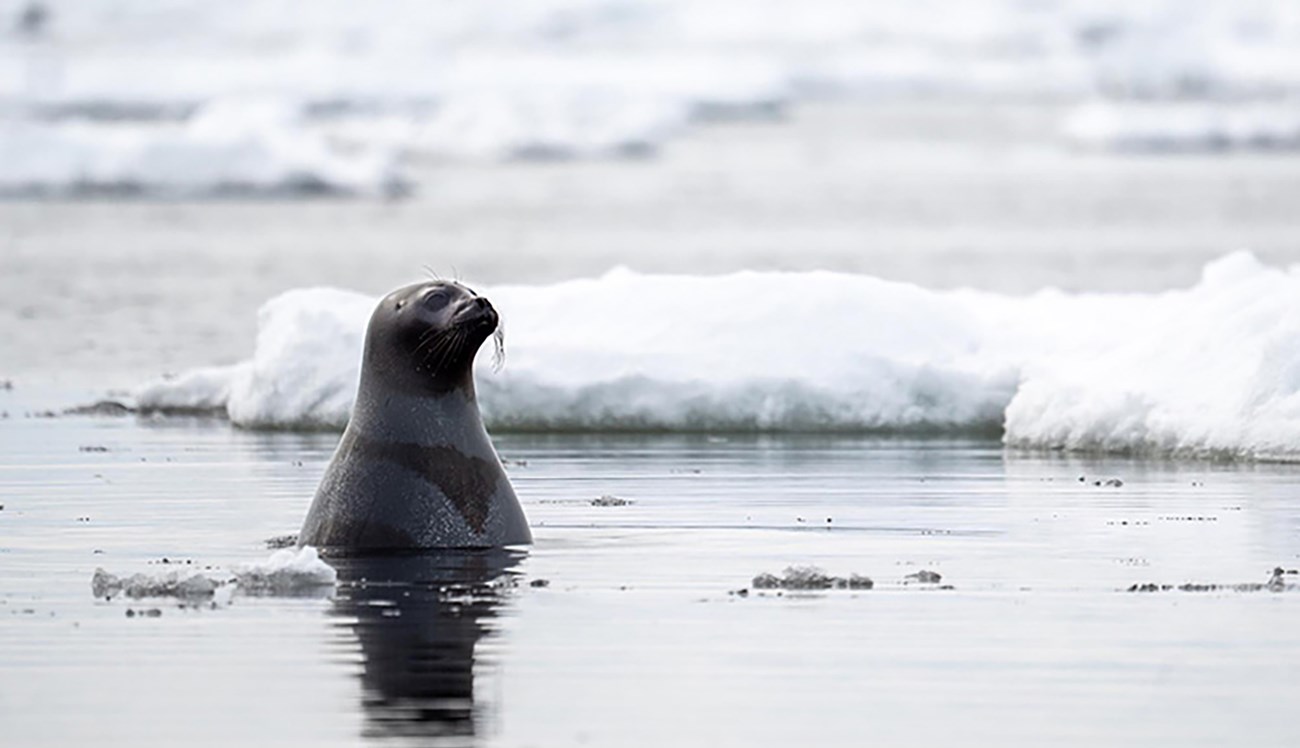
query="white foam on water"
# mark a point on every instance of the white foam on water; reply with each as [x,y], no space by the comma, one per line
[1209,370]
[227,147]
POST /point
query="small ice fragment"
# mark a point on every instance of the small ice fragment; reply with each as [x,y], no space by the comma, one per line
[806,578]
[858,582]
[170,584]
[196,586]
[286,572]
[103,584]
[809,578]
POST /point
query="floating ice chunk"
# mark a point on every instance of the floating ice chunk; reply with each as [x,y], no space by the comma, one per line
[631,351]
[287,572]
[1213,370]
[809,578]
[200,390]
[1209,370]
[178,583]
[307,362]
[303,374]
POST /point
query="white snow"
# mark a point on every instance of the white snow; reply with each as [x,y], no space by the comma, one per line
[1210,370]
[1213,370]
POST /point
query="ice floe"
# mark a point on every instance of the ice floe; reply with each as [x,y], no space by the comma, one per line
[1211,370]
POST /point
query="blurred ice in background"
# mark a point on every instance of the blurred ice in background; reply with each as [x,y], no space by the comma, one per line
[194,98]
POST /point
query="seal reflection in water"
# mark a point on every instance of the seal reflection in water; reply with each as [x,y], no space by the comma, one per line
[415,468]
[419,619]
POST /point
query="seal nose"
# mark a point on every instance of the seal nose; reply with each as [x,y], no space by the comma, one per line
[484,310]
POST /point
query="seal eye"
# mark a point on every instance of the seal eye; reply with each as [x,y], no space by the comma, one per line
[400,303]
[436,300]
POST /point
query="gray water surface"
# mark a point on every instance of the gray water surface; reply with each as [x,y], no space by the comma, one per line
[639,637]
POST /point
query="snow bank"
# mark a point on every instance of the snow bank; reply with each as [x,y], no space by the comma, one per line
[232,148]
[1184,126]
[1213,370]
[1210,370]
[304,370]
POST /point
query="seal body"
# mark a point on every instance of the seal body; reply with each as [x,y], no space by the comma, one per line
[415,468]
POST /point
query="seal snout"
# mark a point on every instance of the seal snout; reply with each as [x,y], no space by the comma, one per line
[478,312]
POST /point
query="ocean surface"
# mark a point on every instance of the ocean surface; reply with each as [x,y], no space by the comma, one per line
[994,303]
[639,636]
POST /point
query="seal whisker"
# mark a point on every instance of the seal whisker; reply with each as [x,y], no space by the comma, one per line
[457,341]
[449,345]
[441,344]
[433,336]
[499,347]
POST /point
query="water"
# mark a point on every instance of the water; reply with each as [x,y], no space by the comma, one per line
[637,639]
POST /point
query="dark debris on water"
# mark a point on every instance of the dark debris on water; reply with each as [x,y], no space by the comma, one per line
[608,500]
[101,408]
[924,576]
[1276,583]
[282,541]
[1107,483]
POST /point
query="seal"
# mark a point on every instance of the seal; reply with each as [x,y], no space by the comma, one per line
[415,468]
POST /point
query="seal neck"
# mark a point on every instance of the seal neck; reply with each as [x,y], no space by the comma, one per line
[431,419]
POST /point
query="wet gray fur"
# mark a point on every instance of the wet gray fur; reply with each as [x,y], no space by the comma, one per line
[415,468]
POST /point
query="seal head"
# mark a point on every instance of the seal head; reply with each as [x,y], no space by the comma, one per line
[415,468]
